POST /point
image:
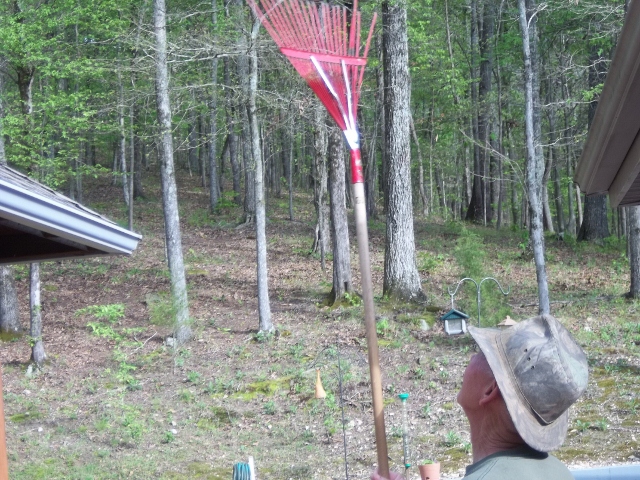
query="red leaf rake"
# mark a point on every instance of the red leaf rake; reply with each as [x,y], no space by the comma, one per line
[322,42]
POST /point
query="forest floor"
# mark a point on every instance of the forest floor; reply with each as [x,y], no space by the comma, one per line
[114,401]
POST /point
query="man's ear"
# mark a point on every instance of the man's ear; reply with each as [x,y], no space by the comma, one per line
[490,393]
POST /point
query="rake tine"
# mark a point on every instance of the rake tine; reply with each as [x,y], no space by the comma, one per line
[351,124]
[331,89]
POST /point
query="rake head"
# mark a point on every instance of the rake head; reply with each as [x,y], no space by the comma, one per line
[322,42]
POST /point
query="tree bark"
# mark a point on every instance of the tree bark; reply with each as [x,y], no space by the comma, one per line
[9,313]
[595,225]
[633,215]
[233,137]
[380,105]
[173,236]
[342,282]
[421,191]
[535,166]
[320,191]
[248,153]
[35,307]
[475,210]
[264,308]
[401,278]
[214,184]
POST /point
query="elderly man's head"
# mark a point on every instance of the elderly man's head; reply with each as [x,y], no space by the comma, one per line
[533,372]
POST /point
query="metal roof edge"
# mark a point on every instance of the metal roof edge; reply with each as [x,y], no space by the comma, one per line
[80,225]
[626,176]
[624,69]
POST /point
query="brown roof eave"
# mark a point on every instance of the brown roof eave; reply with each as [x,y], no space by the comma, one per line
[616,122]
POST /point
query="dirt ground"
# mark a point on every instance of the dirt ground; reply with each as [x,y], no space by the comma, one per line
[115,401]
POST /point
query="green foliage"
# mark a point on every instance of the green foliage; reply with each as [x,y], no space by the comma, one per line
[161,310]
[270,408]
[582,425]
[352,299]
[470,254]
[382,326]
[112,312]
[452,438]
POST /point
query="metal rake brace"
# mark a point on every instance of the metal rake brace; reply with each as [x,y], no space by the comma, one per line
[322,42]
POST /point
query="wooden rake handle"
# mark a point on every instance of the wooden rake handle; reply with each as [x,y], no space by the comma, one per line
[369,313]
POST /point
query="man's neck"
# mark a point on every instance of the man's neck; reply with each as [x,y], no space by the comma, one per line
[491,437]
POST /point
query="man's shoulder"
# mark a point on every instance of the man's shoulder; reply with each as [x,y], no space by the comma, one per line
[524,464]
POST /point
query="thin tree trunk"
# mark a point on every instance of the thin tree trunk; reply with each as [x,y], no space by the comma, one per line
[380,105]
[320,190]
[633,214]
[122,141]
[289,144]
[233,138]
[535,167]
[169,190]
[548,220]
[214,184]
[264,308]
[201,157]
[342,282]
[248,149]
[423,195]
[35,307]
[475,210]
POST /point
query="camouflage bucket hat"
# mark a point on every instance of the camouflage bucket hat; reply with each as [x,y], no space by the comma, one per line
[541,371]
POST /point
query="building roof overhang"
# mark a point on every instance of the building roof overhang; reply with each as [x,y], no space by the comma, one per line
[610,160]
[38,223]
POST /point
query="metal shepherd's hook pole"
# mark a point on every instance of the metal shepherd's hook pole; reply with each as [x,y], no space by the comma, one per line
[478,286]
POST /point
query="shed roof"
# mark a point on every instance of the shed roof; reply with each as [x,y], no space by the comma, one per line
[38,223]
[610,161]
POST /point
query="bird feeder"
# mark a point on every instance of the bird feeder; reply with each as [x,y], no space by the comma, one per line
[455,322]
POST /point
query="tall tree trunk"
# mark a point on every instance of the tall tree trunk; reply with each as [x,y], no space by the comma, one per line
[122,139]
[485,107]
[339,227]
[233,137]
[475,210]
[535,165]
[633,214]
[555,174]
[173,237]
[401,278]
[289,162]
[380,105]
[214,184]
[546,209]
[248,153]
[320,191]
[264,308]
[35,308]
[370,167]
[201,144]
[595,224]
[421,191]
[9,313]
